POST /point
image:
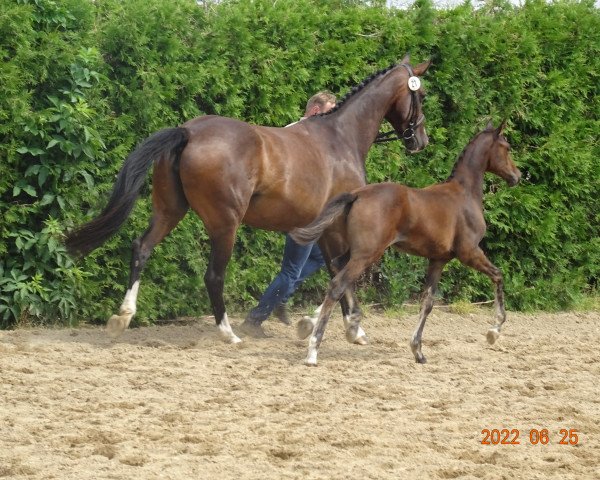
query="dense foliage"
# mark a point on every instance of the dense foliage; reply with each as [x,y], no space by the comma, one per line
[83,82]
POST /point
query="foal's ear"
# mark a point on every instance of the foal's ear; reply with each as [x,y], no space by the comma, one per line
[422,68]
[490,125]
[406,58]
[500,128]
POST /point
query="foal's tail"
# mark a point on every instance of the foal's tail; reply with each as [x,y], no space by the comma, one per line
[337,206]
[171,142]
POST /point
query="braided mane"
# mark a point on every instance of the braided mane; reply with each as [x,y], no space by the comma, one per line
[356,89]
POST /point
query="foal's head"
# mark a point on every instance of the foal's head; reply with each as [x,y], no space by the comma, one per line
[406,113]
[500,160]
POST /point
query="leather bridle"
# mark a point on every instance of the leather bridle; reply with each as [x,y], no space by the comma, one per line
[409,134]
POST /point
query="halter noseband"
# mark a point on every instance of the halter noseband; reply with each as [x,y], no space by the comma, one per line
[409,133]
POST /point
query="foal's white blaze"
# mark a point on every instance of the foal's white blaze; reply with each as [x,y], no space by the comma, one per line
[117,324]
[226,332]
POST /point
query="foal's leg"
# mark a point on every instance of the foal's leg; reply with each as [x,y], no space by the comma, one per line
[337,287]
[480,262]
[434,272]
[354,332]
[352,313]
[331,242]
[348,303]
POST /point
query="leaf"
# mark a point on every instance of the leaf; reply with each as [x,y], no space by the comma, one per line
[30,190]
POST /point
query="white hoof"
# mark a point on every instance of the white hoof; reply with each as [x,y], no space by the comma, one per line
[361,340]
[226,332]
[229,336]
[305,327]
[117,324]
[311,359]
[492,335]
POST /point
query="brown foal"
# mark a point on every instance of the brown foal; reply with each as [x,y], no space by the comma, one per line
[439,222]
[231,172]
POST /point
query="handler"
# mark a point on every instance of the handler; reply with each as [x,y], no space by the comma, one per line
[299,261]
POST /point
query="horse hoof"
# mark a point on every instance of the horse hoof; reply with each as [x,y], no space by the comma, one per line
[361,340]
[227,335]
[305,327]
[492,335]
[311,360]
[116,325]
[252,330]
[422,360]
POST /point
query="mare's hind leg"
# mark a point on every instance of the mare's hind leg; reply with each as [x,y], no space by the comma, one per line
[221,249]
[480,262]
[169,207]
[338,286]
[160,226]
[434,272]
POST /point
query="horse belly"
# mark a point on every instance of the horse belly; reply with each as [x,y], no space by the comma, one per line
[271,213]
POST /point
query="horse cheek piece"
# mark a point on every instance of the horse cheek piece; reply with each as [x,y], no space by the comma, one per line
[440,222]
[231,172]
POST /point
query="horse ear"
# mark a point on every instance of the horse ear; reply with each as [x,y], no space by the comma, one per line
[489,126]
[422,68]
[500,128]
[406,58]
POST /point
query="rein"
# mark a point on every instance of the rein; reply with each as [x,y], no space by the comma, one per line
[409,133]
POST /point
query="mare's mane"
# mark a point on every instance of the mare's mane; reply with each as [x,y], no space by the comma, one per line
[356,89]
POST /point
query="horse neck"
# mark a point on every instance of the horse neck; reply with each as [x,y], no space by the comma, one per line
[470,168]
[361,115]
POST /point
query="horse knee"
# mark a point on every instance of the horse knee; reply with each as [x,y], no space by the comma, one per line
[213,279]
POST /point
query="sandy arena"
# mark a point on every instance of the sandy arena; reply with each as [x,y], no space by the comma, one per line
[173,402]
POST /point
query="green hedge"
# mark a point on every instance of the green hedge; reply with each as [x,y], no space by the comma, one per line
[83,82]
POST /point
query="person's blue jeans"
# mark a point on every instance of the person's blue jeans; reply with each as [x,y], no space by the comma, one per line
[299,262]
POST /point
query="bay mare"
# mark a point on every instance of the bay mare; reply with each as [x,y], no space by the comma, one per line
[231,172]
[440,222]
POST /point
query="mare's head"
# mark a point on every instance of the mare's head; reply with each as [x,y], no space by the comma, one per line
[406,112]
[499,159]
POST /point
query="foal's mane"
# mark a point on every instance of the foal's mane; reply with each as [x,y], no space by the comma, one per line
[356,89]
[464,151]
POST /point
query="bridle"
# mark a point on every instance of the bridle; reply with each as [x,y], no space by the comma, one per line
[409,134]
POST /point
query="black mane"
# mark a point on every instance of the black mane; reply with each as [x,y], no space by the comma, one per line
[356,89]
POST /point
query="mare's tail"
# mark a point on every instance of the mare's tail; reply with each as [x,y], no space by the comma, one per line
[337,206]
[170,141]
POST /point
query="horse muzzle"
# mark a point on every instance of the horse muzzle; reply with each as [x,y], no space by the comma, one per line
[513,179]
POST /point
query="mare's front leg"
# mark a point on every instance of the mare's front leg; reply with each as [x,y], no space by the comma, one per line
[480,262]
[434,272]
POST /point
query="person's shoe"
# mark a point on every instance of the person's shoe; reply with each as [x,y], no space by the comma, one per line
[252,329]
[252,326]
[281,313]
